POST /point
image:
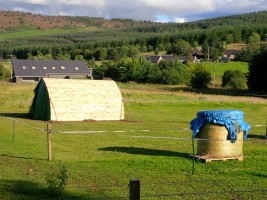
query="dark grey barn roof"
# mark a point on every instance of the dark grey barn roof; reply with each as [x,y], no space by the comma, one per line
[231,52]
[41,68]
[153,59]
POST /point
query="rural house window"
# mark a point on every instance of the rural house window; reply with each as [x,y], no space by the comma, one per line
[77,68]
[33,67]
[53,67]
[23,67]
[44,67]
[62,67]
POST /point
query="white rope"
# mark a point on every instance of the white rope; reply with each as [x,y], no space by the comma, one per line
[86,132]
[13,119]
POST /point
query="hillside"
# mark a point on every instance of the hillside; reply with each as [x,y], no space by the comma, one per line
[14,21]
[11,20]
[24,34]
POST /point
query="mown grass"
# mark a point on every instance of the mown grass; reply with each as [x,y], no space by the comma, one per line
[217,70]
[37,32]
[220,68]
[153,144]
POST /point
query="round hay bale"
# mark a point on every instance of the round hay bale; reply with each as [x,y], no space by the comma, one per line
[213,141]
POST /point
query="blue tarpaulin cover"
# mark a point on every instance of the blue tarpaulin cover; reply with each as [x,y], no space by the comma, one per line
[232,119]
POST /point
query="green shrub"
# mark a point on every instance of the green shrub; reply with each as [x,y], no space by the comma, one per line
[234,79]
[200,77]
[258,71]
[172,72]
[4,73]
[57,180]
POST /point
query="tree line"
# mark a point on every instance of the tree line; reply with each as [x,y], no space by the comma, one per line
[119,48]
[212,35]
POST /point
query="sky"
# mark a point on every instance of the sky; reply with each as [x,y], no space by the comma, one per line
[154,10]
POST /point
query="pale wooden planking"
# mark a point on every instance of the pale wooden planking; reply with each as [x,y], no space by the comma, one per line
[78,100]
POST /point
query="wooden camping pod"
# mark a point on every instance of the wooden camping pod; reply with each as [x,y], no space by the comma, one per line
[77,100]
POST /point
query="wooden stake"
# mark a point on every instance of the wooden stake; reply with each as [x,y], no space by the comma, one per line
[14,128]
[135,189]
[49,142]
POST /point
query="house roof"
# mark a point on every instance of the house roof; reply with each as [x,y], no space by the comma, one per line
[167,57]
[231,52]
[197,51]
[182,58]
[154,59]
[41,68]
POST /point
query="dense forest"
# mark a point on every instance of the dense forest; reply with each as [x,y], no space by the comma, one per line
[115,38]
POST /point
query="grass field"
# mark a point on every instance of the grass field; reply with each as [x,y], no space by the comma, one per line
[37,33]
[220,68]
[152,144]
[217,70]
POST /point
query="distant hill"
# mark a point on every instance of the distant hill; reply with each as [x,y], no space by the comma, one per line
[24,34]
[14,20]
[11,20]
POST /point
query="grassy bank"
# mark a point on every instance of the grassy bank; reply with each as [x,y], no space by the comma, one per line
[152,144]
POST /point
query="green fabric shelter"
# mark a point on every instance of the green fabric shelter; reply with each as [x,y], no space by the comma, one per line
[40,108]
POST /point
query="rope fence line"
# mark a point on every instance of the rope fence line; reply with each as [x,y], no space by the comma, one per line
[85,132]
[26,124]
[123,131]
[106,131]
[216,188]
[205,193]
[252,183]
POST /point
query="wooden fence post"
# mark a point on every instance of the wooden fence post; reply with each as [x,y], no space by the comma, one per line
[14,128]
[193,147]
[49,142]
[134,189]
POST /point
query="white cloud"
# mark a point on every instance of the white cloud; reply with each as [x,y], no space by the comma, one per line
[179,20]
[155,10]
[93,3]
[175,6]
[28,1]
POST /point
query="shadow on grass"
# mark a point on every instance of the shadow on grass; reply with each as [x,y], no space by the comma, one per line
[259,174]
[145,151]
[20,157]
[220,91]
[261,137]
[16,115]
[20,189]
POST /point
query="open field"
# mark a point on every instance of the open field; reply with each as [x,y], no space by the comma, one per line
[220,68]
[217,70]
[38,33]
[153,144]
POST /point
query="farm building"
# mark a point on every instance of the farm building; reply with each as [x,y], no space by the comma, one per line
[76,100]
[156,58]
[231,53]
[34,70]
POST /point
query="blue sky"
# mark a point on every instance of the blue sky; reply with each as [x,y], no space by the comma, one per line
[153,10]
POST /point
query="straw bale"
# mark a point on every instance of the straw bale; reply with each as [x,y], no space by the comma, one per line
[214,141]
